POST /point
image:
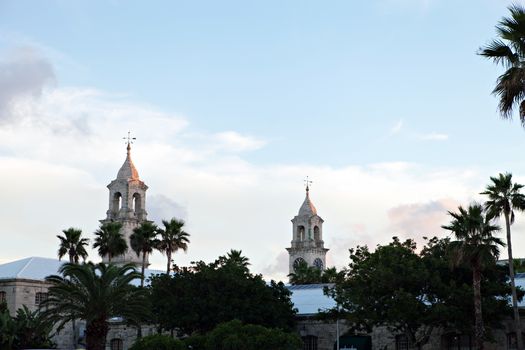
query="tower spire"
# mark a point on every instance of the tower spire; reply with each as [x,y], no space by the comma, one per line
[129,141]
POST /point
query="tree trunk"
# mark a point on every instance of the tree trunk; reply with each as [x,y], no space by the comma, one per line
[517,325]
[476,284]
[96,332]
[168,254]
[143,268]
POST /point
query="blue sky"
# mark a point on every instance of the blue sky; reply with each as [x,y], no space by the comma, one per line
[314,86]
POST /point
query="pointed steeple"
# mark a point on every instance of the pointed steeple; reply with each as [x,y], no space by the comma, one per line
[127,170]
[307,208]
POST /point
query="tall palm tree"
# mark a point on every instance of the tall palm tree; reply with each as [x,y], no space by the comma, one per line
[477,247]
[172,238]
[109,241]
[142,241]
[509,51]
[505,197]
[236,257]
[73,245]
[94,293]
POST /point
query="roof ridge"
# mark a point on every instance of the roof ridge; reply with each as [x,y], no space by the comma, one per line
[25,266]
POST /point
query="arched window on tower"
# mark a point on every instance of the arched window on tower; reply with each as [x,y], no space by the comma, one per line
[137,204]
[300,233]
[117,202]
[318,263]
[317,233]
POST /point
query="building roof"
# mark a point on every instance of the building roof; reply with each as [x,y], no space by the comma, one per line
[37,268]
[309,299]
[307,208]
[127,170]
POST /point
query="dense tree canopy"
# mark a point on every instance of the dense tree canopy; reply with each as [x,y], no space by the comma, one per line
[199,297]
[414,292]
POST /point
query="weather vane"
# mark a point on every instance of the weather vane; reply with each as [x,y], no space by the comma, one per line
[129,139]
[307,182]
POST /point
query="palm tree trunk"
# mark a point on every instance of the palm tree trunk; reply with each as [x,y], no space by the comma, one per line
[168,254]
[96,332]
[143,268]
[517,325]
[476,279]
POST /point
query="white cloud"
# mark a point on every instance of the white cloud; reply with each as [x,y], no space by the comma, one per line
[62,146]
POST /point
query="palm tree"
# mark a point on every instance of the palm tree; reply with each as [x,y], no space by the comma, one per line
[73,245]
[94,293]
[477,247]
[110,241]
[172,238]
[142,241]
[505,197]
[509,51]
[236,257]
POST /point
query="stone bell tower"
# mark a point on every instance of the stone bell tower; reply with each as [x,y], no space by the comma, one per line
[307,237]
[127,205]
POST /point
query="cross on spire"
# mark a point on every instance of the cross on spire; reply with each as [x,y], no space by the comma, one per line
[129,140]
[307,182]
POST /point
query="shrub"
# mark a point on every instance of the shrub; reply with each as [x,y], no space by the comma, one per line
[157,342]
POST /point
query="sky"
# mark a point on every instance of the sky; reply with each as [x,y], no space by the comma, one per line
[384,104]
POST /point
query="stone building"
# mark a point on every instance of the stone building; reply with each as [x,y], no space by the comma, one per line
[307,237]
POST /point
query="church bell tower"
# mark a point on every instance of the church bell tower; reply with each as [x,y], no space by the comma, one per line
[127,205]
[307,237]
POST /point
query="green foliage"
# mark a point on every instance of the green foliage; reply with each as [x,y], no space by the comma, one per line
[414,292]
[142,241]
[198,298]
[95,293]
[235,335]
[305,274]
[28,330]
[509,51]
[73,245]
[158,342]
[109,240]
[172,238]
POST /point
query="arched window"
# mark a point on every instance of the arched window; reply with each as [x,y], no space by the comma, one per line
[318,263]
[300,233]
[40,297]
[317,233]
[402,342]
[453,341]
[310,342]
[116,344]
[117,202]
[137,204]
[3,298]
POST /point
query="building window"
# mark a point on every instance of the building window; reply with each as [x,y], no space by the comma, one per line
[116,344]
[317,233]
[300,233]
[298,262]
[310,342]
[40,297]
[3,298]
[402,342]
[318,263]
[512,341]
[457,342]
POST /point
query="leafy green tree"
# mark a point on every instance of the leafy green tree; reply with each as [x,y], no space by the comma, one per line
[199,297]
[109,241]
[509,51]
[33,330]
[172,238]
[504,197]
[157,342]
[476,245]
[234,335]
[73,245]
[236,257]
[414,292]
[8,328]
[94,293]
[142,241]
